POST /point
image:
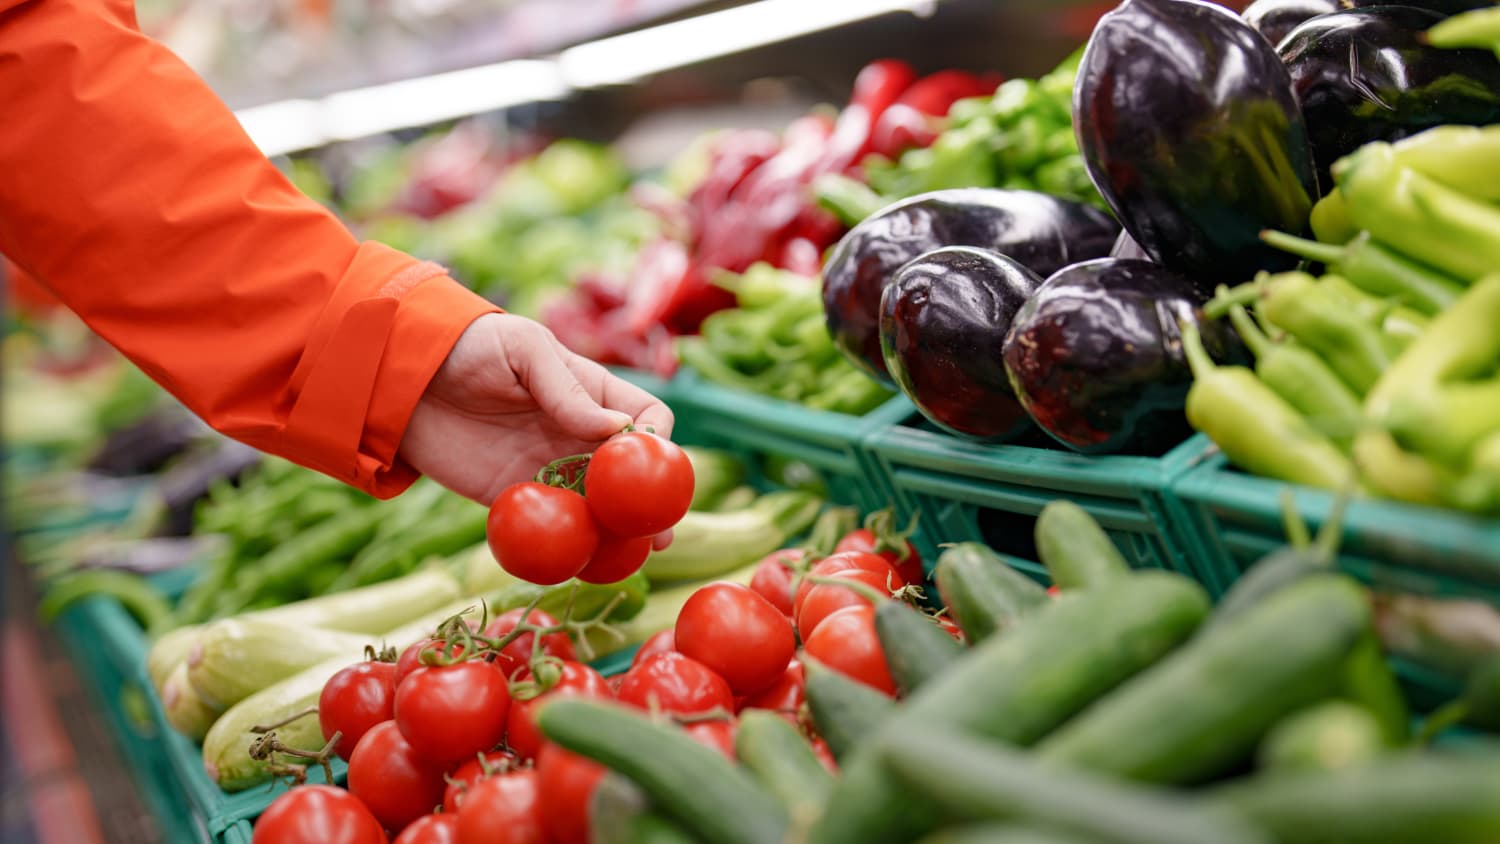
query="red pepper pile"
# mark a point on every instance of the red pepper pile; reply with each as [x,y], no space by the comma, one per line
[754,205]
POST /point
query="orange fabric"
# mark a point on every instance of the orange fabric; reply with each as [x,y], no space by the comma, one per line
[131,192]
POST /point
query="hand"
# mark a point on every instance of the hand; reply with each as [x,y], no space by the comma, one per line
[509,400]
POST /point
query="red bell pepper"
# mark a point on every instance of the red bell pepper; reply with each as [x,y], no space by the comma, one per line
[935,93]
[879,84]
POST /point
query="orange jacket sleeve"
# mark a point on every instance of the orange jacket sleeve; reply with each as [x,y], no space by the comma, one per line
[133,194]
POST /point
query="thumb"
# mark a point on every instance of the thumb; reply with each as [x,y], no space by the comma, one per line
[560,395]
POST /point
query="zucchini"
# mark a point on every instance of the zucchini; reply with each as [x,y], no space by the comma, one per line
[984,594]
[709,544]
[916,648]
[778,755]
[235,658]
[188,713]
[1002,833]
[1204,708]
[1417,798]
[613,809]
[715,474]
[372,609]
[846,712]
[970,780]
[1074,548]
[693,784]
[1332,735]
[167,652]
[1017,688]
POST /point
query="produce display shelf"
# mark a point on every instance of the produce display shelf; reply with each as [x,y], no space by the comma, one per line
[240,832]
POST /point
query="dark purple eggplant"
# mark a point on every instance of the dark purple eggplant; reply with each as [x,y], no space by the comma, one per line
[189,480]
[943,321]
[1364,75]
[1095,356]
[1041,232]
[1445,8]
[147,444]
[1188,127]
[1275,18]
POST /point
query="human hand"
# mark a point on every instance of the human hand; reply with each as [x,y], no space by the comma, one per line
[510,399]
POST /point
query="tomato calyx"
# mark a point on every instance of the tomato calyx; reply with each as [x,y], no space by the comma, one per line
[889,538]
[387,653]
[565,472]
[461,642]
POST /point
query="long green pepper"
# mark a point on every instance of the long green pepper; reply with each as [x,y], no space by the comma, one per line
[1456,156]
[1319,317]
[1303,380]
[1376,270]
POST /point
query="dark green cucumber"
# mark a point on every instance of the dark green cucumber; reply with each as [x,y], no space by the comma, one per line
[693,784]
[654,828]
[1002,833]
[1369,682]
[1326,737]
[1265,577]
[613,809]
[916,648]
[1204,708]
[984,594]
[1074,548]
[1016,688]
[972,780]
[1418,798]
[846,712]
[777,754]
[1482,694]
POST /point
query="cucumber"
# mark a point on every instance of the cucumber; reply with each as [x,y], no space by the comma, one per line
[846,712]
[709,544]
[972,780]
[1269,574]
[693,784]
[984,594]
[235,658]
[1017,688]
[1002,833]
[1326,737]
[654,828]
[916,648]
[1368,681]
[1074,548]
[1204,708]
[1417,798]
[778,755]
[188,713]
[613,809]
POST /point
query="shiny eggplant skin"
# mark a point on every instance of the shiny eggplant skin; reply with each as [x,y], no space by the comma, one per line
[1042,232]
[1126,247]
[1188,127]
[1364,75]
[1276,18]
[943,321]
[1446,8]
[1095,356]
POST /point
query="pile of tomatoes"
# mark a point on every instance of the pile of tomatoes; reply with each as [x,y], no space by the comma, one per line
[636,486]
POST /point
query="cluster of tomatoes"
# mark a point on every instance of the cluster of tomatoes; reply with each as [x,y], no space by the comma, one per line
[636,486]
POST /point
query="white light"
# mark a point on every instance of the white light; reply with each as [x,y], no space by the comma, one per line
[279,128]
[431,99]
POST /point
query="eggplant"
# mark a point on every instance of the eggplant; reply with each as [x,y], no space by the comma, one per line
[1274,19]
[1126,247]
[943,321]
[1044,233]
[1188,127]
[1364,75]
[146,445]
[1446,8]
[1095,356]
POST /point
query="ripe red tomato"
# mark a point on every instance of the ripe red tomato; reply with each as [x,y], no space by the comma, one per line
[397,783]
[354,700]
[773,577]
[503,810]
[317,814]
[577,680]
[433,829]
[716,734]
[449,712]
[827,598]
[664,642]
[541,534]
[865,540]
[463,778]
[411,658]
[846,642]
[567,782]
[832,565]
[785,695]
[516,656]
[677,684]
[738,634]
[616,558]
[638,484]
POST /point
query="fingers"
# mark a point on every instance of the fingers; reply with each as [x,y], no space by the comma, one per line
[615,393]
[558,392]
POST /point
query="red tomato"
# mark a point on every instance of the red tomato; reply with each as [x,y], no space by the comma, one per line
[411,658]
[516,656]
[864,540]
[449,712]
[664,642]
[354,700]
[317,814]
[848,561]
[950,627]
[577,680]
[616,558]
[846,642]
[463,778]
[675,683]
[820,749]
[542,534]
[398,784]
[736,633]
[716,734]
[567,782]
[827,598]
[773,578]
[1053,590]
[638,484]
[503,810]
[433,829]
[785,695]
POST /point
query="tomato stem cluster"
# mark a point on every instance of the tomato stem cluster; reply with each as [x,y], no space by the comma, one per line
[565,472]
[268,746]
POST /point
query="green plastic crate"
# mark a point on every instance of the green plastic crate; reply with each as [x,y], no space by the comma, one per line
[240,832]
[962,490]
